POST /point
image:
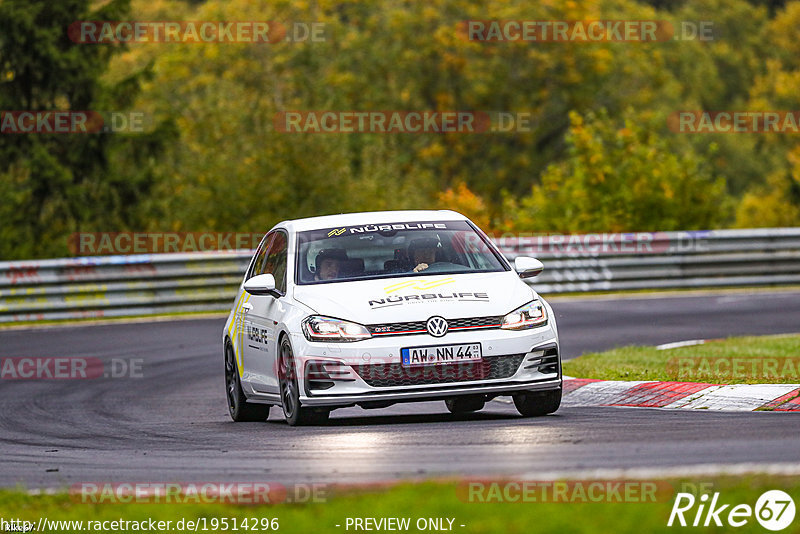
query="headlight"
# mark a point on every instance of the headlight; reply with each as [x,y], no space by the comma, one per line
[531,315]
[318,328]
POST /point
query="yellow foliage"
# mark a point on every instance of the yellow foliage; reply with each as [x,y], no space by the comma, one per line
[464,201]
[777,203]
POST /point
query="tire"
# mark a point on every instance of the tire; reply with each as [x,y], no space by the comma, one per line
[238,407]
[537,403]
[295,414]
[458,405]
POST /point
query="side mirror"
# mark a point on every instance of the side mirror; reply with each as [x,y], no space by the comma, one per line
[262,284]
[527,267]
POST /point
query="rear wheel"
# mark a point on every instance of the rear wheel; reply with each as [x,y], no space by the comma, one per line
[465,404]
[536,403]
[295,414]
[238,407]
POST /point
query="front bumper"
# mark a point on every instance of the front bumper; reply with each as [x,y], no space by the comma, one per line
[431,394]
[333,374]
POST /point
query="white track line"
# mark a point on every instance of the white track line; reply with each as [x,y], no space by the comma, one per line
[681,471]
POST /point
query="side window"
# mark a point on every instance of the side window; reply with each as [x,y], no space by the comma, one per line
[276,261]
[258,264]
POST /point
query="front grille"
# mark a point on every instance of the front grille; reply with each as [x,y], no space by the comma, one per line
[394,329]
[418,327]
[472,322]
[394,374]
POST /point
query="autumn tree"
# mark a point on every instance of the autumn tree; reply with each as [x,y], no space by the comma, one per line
[622,176]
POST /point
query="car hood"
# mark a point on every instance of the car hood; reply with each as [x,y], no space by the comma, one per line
[417,298]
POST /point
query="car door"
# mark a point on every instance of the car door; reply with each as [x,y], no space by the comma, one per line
[264,316]
[249,341]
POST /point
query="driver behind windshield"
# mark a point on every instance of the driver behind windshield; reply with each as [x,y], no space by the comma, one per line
[423,253]
[329,264]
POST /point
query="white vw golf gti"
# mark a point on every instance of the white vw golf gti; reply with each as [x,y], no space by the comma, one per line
[372,309]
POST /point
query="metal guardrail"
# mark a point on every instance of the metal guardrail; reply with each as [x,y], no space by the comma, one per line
[115,286]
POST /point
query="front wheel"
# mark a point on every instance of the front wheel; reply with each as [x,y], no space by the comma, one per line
[295,414]
[537,403]
[238,407]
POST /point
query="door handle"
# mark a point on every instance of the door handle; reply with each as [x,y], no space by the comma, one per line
[246,307]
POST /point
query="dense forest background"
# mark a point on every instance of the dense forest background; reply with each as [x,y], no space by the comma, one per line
[599,155]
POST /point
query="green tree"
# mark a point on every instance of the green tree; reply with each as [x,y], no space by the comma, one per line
[623,177]
[774,203]
[774,198]
[54,184]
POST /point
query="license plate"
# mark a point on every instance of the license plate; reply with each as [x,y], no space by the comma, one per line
[440,354]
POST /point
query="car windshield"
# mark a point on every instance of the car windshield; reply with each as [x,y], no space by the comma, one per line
[393,249]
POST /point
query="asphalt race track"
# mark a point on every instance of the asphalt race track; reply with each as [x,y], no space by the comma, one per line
[601,324]
[172,425]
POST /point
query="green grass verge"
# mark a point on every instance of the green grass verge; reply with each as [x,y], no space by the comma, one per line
[742,360]
[424,500]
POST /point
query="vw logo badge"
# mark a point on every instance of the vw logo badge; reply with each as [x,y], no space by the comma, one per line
[437,326]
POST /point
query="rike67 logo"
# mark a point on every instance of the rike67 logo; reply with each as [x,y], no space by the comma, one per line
[774,510]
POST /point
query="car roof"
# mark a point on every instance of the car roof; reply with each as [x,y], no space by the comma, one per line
[369,217]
